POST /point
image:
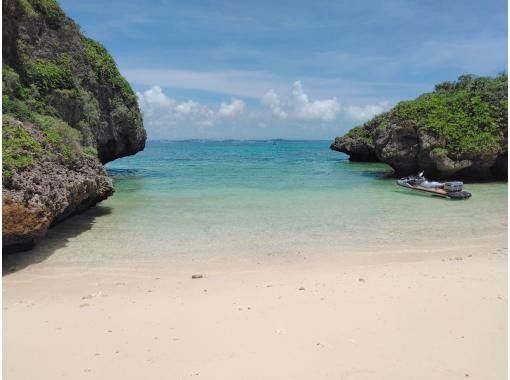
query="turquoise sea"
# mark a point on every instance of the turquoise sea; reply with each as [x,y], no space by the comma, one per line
[269,197]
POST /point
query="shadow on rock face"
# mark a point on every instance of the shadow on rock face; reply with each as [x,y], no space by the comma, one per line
[57,237]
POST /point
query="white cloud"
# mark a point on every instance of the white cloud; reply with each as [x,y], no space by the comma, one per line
[300,107]
[324,110]
[366,112]
[232,110]
[271,100]
[162,112]
[164,116]
[194,111]
[154,97]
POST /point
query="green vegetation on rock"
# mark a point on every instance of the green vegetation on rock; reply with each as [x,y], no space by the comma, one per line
[59,135]
[104,67]
[66,111]
[66,86]
[20,148]
[458,129]
[361,133]
[468,115]
[46,8]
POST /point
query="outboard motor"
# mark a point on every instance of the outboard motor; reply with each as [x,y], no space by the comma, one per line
[453,186]
[454,189]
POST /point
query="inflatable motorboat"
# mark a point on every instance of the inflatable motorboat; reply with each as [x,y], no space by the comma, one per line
[451,190]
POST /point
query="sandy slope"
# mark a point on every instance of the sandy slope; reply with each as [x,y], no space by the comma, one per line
[439,315]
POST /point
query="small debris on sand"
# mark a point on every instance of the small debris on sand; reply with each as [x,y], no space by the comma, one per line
[301,288]
[85,305]
[361,279]
[195,276]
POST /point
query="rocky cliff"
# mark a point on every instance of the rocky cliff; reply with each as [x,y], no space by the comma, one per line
[66,111]
[458,130]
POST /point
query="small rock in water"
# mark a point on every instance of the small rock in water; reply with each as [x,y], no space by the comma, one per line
[195,276]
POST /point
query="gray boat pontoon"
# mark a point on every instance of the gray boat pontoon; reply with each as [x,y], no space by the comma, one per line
[451,190]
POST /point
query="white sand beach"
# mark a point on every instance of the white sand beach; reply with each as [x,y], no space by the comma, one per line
[440,314]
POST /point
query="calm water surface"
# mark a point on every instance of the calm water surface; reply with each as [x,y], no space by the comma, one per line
[267,197]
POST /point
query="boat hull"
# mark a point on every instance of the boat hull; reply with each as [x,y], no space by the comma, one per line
[435,192]
[421,190]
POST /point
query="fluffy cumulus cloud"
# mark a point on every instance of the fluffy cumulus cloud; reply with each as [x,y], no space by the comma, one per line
[231,110]
[161,110]
[300,107]
[271,100]
[323,110]
[154,98]
[166,117]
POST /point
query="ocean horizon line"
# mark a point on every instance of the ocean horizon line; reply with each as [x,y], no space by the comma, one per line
[235,140]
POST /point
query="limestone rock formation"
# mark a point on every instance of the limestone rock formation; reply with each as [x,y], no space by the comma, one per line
[459,130]
[66,111]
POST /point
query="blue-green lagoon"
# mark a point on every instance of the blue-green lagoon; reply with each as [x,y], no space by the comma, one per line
[265,197]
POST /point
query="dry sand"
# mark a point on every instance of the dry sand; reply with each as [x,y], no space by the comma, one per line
[435,315]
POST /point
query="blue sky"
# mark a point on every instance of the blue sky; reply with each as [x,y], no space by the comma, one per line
[288,69]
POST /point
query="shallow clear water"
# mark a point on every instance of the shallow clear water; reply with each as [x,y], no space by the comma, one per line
[196,197]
